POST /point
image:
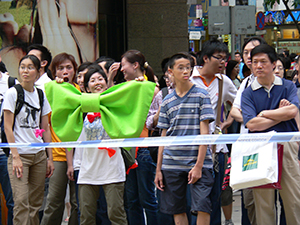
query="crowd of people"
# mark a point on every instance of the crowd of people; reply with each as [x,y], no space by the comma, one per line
[203,93]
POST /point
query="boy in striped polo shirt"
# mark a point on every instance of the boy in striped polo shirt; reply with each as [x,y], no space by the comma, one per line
[186,111]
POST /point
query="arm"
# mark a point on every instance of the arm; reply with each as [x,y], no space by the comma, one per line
[16,161]
[281,114]
[47,138]
[236,114]
[196,172]
[261,123]
[70,170]
[227,122]
[158,176]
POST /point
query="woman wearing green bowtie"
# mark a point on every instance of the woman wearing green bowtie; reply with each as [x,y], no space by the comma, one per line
[100,167]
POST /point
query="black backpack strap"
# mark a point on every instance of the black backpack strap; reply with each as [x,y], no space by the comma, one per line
[20,101]
[20,98]
[41,99]
[165,92]
[11,81]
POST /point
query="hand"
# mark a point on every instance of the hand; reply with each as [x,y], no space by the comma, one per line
[113,69]
[17,166]
[50,168]
[159,181]
[194,175]
[284,102]
[70,173]
[141,78]
[54,26]
[59,80]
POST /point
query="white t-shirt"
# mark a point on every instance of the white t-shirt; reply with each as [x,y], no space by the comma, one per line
[28,120]
[238,99]
[97,168]
[229,93]
[40,83]
[78,152]
[3,88]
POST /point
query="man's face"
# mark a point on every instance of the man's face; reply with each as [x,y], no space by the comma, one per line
[181,71]
[216,62]
[262,66]
[237,57]
[247,51]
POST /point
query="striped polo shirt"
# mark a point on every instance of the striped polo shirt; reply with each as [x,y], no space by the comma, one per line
[181,116]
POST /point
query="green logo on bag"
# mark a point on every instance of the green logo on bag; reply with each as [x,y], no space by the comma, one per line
[250,162]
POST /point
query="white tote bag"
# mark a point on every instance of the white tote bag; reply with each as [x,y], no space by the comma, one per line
[253,164]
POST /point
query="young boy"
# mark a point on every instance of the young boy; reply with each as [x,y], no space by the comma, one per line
[186,111]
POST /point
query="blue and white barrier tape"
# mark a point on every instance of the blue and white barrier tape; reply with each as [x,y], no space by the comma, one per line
[168,141]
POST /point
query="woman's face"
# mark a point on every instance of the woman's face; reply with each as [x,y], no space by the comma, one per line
[97,83]
[27,71]
[80,79]
[279,69]
[128,69]
[235,70]
[65,70]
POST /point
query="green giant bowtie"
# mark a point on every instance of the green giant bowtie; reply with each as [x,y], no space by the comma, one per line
[124,108]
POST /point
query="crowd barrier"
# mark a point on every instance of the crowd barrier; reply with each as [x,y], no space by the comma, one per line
[168,141]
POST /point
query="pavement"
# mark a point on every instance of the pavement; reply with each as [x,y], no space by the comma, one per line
[236,210]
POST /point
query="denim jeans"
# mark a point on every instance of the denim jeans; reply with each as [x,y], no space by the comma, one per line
[6,187]
[140,191]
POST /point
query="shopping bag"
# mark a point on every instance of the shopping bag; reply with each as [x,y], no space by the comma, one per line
[253,164]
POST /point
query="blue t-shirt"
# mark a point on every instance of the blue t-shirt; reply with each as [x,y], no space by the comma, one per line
[256,99]
[182,116]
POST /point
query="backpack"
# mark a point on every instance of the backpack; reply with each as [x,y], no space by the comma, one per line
[19,104]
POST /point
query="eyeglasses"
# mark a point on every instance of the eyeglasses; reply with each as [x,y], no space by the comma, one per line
[182,68]
[220,59]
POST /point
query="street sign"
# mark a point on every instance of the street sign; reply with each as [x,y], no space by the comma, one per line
[195,35]
[218,20]
[260,20]
[244,19]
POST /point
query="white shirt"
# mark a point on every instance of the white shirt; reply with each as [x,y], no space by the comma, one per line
[238,99]
[229,93]
[78,152]
[27,121]
[40,83]
[3,88]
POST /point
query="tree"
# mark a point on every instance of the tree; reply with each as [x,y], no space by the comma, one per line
[270,3]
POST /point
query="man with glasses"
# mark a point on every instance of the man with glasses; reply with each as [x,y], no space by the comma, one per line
[207,75]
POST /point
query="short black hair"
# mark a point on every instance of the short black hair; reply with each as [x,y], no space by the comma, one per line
[238,53]
[108,62]
[94,68]
[83,66]
[266,49]
[45,53]
[177,56]
[254,38]
[164,64]
[36,62]
[211,47]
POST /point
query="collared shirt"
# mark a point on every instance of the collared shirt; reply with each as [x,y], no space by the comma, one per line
[229,93]
[258,98]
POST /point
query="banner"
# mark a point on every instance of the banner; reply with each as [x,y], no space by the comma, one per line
[60,25]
